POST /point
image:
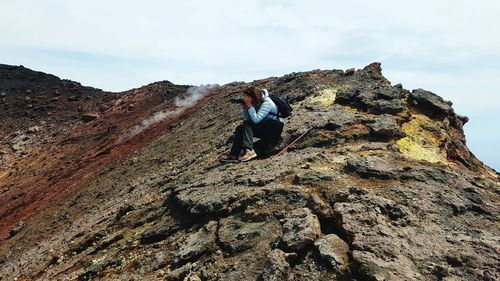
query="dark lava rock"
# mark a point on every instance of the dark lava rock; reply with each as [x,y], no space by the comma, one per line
[214,199]
[347,96]
[372,166]
[300,229]
[376,213]
[391,241]
[430,104]
[385,106]
[198,243]
[87,117]
[108,242]
[385,127]
[86,242]
[463,119]
[16,229]
[159,231]
[96,269]
[334,251]
[179,273]
[350,72]
[124,210]
[236,236]
[424,174]
[311,177]
[377,101]
[374,70]
[277,267]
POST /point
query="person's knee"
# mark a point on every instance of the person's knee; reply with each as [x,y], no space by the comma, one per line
[240,128]
[244,126]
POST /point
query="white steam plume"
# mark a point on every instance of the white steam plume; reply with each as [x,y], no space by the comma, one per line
[194,94]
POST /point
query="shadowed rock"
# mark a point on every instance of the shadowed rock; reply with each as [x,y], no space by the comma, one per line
[236,236]
[277,267]
[390,242]
[198,243]
[159,231]
[385,127]
[334,251]
[215,199]
[87,117]
[311,177]
[431,104]
[300,229]
[373,100]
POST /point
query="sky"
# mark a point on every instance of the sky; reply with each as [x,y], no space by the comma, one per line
[450,47]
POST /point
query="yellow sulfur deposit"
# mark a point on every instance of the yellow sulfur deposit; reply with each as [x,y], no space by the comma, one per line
[326,97]
[351,109]
[4,174]
[420,143]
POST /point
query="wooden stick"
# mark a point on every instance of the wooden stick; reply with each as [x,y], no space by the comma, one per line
[292,143]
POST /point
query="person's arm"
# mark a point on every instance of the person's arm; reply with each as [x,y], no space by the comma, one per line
[245,113]
[264,110]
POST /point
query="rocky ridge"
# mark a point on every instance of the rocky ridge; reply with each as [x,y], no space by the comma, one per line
[380,187]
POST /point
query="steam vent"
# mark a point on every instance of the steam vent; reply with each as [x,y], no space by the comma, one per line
[97,185]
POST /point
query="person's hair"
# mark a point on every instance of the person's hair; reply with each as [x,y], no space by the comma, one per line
[256,95]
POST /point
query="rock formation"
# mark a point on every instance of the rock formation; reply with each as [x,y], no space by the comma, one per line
[127,186]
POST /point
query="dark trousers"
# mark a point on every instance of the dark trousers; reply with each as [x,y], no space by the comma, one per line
[244,134]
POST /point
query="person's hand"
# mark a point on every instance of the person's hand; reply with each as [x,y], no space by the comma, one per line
[248,101]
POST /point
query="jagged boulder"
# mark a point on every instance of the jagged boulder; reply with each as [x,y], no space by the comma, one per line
[375,100]
[300,229]
[392,268]
[214,199]
[237,236]
[87,117]
[385,127]
[198,243]
[430,103]
[335,252]
[159,230]
[312,177]
[277,268]
[391,242]
[180,273]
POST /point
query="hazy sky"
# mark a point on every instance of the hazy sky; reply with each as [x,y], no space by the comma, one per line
[451,47]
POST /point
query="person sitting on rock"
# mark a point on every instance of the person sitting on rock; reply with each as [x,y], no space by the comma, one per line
[261,121]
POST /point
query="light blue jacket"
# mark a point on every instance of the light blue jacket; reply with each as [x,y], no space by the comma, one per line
[267,110]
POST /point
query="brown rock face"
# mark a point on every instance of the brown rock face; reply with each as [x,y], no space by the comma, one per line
[300,229]
[380,186]
[335,252]
[87,117]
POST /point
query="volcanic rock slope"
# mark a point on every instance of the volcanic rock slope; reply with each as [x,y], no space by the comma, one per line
[381,185]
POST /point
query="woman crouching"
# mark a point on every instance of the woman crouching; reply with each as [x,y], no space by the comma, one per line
[261,121]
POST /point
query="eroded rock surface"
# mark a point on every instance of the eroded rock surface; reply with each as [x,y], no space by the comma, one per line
[380,186]
[372,166]
[277,268]
[335,252]
[300,229]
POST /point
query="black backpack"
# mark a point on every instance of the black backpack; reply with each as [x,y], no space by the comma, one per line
[284,108]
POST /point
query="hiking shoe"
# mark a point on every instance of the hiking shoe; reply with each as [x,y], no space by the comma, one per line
[247,155]
[229,159]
